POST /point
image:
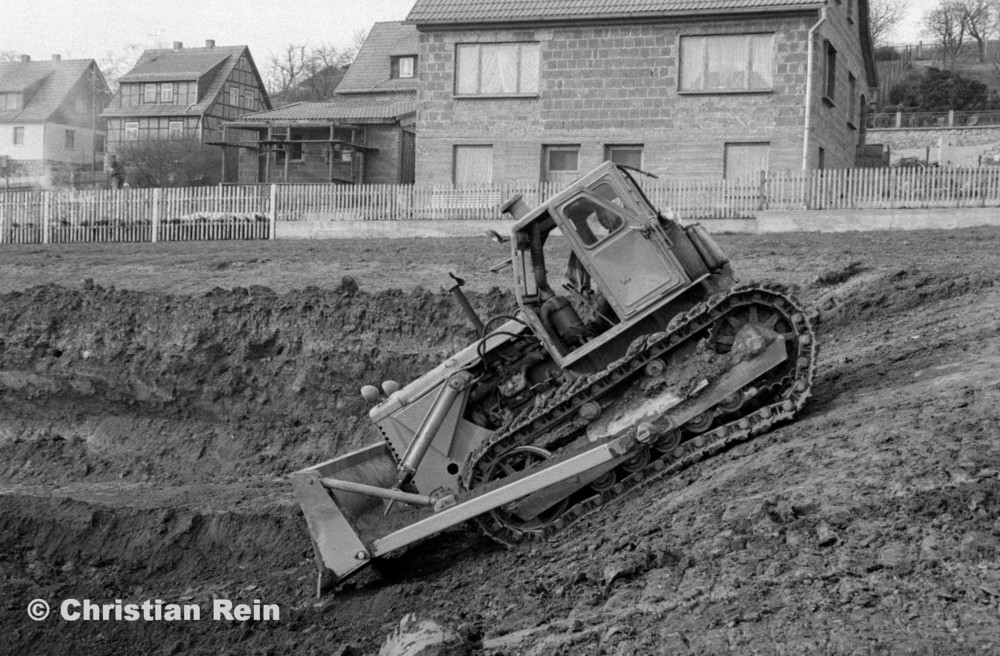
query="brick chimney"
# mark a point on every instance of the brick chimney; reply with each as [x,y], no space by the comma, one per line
[25,59]
[56,57]
[178,45]
[209,43]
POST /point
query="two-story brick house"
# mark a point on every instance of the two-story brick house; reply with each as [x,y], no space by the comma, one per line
[364,135]
[516,91]
[49,130]
[184,94]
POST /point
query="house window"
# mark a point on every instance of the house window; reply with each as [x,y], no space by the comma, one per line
[821,163]
[167,92]
[746,160]
[561,164]
[18,138]
[850,11]
[852,84]
[496,69]
[234,96]
[132,131]
[403,67]
[295,138]
[99,143]
[149,93]
[727,63]
[624,155]
[472,165]
[10,101]
[829,72]
[279,134]
[175,129]
[248,98]
[70,139]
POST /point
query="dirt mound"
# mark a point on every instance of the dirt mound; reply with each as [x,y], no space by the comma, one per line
[144,438]
[143,386]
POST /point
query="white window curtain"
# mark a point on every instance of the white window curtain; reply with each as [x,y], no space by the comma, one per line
[727,60]
[529,67]
[732,62]
[496,68]
[761,56]
[499,66]
[473,165]
[467,69]
[693,63]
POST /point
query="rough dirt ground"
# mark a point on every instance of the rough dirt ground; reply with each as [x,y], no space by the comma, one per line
[148,420]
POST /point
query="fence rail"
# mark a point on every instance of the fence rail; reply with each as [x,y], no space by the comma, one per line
[939,120]
[250,212]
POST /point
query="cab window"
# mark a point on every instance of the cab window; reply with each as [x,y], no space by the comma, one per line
[592,221]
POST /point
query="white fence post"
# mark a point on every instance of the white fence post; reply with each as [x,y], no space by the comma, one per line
[46,215]
[155,227]
[272,209]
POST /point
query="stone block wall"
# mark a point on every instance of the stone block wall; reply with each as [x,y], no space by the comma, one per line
[618,85]
[836,122]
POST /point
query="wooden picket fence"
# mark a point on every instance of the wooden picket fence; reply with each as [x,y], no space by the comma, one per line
[251,211]
[136,215]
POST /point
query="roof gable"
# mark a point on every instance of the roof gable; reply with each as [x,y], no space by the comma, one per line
[370,71]
[211,67]
[176,65]
[508,11]
[49,84]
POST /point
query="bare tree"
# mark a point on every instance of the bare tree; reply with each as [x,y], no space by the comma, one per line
[9,56]
[884,16]
[358,39]
[946,24]
[285,69]
[323,70]
[981,18]
[116,63]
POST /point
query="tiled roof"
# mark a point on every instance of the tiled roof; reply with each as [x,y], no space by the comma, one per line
[52,82]
[174,65]
[370,71]
[185,64]
[498,11]
[342,109]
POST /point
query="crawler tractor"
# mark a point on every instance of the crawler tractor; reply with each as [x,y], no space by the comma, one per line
[638,356]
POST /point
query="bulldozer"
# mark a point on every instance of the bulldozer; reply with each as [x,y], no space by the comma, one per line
[640,356]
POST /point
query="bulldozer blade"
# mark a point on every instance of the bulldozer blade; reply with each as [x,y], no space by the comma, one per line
[336,518]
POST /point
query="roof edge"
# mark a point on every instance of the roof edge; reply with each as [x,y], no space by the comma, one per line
[644,17]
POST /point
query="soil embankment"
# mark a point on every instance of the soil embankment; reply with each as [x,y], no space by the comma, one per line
[145,437]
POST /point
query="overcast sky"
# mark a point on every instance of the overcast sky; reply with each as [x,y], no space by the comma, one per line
[91,28]
[84,29]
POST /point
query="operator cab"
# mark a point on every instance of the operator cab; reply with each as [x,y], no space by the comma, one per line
[591,263]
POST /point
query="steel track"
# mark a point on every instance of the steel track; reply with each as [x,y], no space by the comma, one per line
[559,417]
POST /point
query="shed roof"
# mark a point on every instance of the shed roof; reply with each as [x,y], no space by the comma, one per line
[342,109]
[52,82]
[370,71]
[500,11]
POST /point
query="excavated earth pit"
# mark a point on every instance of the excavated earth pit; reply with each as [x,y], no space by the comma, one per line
[151,409]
